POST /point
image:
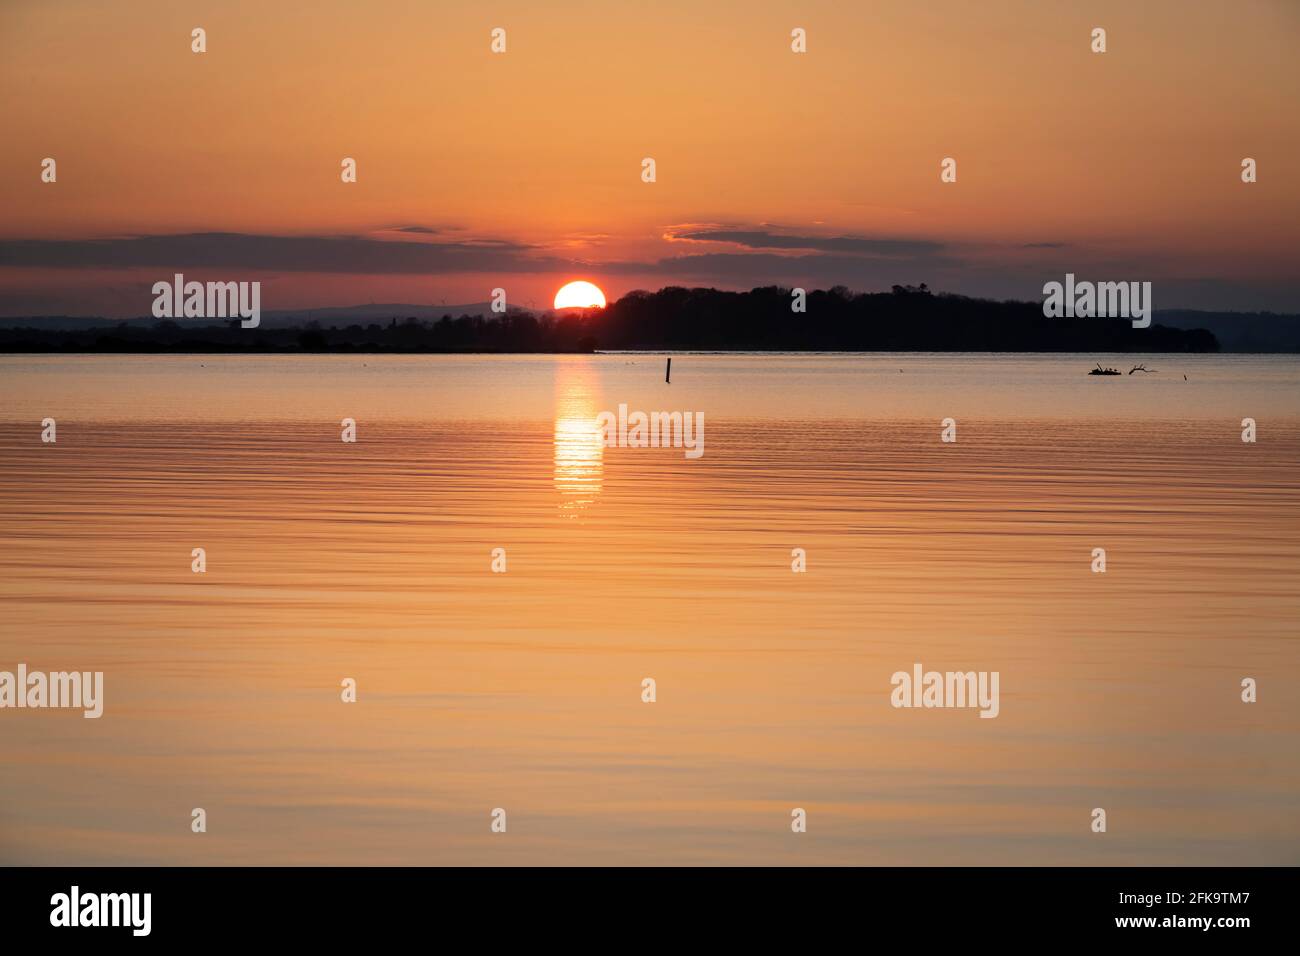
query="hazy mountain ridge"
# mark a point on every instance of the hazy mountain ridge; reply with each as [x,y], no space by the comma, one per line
[1240,331]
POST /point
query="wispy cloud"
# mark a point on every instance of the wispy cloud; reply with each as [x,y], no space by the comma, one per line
[222,250]
[860,245]
[64,274]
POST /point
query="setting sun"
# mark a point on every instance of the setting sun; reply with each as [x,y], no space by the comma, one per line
[580,295]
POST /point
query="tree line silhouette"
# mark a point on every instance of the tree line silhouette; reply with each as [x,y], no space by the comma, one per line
[908,318]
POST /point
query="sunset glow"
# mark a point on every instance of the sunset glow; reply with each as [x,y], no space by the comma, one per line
[580,295]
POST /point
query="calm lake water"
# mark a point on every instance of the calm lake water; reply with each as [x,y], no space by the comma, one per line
[522,690]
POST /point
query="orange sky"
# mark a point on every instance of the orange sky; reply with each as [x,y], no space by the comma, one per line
[525,167]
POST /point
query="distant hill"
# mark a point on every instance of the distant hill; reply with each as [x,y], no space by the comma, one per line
[1240,331]
[349,314]
[905,319]
[277,318]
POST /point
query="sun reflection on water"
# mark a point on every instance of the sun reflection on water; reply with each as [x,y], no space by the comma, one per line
[579,451]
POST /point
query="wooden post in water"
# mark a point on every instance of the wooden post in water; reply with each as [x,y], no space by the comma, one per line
[668,372]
